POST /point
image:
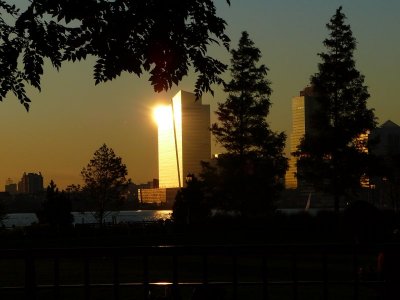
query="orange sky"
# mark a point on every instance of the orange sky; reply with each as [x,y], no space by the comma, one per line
[72,117]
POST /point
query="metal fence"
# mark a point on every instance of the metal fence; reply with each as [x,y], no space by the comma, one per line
[195,272]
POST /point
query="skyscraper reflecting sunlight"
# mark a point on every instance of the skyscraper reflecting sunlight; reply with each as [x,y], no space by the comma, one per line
[184,139]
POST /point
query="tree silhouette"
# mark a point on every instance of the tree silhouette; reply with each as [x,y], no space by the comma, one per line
[333,157]
[158,37]
[190,206]
[105,182]
[248,173]
[56,209]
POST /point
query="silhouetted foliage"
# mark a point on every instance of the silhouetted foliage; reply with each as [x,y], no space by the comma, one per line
[105,182]
[333,156]
[158,37]
[133,201]
[364,221]
[77,197]
[248,176]
[56,209]
[3,212]
[386,179]
[190,206]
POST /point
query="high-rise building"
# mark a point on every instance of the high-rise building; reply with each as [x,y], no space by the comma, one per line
[30,183]
[303,108]
[184,139]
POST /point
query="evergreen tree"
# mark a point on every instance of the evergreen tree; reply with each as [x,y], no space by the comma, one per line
[105,182]
[248,174]
[333,157]
[242,117]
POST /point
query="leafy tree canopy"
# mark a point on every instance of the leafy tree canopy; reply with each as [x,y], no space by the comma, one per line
[105,182]
[163,38]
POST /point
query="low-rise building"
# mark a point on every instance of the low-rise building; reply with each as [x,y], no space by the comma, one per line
[10,187]
[158,196]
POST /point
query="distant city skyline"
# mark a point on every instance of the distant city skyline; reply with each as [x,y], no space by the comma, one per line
[28,184]
[72,117]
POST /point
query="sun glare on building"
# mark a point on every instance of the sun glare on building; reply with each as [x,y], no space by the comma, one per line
[184,141]
[163,115]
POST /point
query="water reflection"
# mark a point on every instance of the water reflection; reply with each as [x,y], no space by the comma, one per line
[26,219]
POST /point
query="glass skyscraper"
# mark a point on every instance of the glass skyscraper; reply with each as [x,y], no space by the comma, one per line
[184,140]
[303,107]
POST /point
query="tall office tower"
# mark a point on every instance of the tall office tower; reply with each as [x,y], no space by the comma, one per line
[184,139]
[30,183]
[303,107]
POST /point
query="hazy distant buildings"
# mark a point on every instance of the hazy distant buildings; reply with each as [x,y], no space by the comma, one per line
[184,141]
[303,108]
[10,187]
[159,196]
[148,185]
[385,140]
[30,183]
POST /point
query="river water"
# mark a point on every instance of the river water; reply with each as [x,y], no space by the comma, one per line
[130,216]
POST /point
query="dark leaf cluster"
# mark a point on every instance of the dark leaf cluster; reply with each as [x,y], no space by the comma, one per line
[250,188]
[162,38]
[56,209]
[190,206]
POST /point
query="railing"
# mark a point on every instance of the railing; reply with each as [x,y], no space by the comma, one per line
[194,272]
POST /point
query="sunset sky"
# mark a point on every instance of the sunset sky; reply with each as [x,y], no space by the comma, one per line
[72,117]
